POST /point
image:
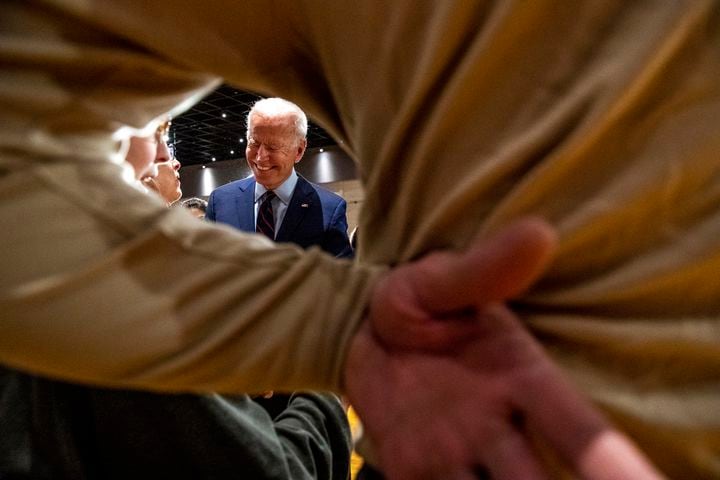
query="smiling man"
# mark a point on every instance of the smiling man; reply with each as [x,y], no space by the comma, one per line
[275,200]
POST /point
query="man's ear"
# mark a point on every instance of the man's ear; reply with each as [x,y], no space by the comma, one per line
[300,150]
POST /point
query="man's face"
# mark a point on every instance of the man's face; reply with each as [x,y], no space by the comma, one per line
[273,149]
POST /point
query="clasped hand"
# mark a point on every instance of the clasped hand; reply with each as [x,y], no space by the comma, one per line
[449,384]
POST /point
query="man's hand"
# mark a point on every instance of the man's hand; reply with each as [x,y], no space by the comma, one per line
[447,380]
[451,415]
[431,303]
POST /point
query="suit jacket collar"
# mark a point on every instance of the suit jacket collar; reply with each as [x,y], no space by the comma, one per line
[245,204]
[300,203]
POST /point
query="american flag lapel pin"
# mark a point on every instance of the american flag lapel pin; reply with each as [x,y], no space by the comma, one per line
[304,205]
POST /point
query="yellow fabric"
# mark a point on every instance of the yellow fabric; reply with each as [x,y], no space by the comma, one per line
[601,116]
[356,460]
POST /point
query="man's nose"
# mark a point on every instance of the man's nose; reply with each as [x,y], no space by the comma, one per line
[262,151]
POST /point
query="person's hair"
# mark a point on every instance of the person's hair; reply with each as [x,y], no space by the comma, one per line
[275,106]
[354,238]
[164,128]
[194,202]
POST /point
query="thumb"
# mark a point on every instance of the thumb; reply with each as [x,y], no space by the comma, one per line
[493,269]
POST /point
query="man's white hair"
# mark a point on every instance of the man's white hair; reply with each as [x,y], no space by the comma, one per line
[275,106]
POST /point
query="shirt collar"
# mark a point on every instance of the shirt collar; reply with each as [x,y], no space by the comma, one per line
[284,192]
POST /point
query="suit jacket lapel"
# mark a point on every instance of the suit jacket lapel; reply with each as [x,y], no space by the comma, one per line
[300,204]
[245,205]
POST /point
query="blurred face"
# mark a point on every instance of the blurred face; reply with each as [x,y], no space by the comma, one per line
[142,154]
[146,152]
[155,166]
[167,181]
[197,212]
[273,149]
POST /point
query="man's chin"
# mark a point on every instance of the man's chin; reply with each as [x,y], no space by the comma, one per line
[266,181]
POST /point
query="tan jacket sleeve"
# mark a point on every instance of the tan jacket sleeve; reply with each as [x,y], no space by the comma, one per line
[140,296]
[599,116]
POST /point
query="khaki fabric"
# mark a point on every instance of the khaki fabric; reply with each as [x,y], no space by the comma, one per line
[601,116]
[100,282]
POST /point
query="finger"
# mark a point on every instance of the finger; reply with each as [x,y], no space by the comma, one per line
[436,336]
[578,433]
[567,422]
[493,269]
[459,475]
[428,334]
[612,456]
[423,332]
[511,457]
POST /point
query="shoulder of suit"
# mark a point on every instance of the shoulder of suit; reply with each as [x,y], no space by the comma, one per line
[322,191]
[234,185]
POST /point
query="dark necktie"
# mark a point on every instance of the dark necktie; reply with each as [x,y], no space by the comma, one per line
[265,217]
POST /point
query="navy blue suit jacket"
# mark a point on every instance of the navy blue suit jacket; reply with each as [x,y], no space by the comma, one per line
[315,216]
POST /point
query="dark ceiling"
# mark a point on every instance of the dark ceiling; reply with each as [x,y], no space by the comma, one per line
[215,128]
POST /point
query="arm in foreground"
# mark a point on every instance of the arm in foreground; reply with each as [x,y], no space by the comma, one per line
[214,436]
[315,426]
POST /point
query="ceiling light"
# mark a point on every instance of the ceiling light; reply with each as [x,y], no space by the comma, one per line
[224,115]
[213,159]
[232,152]
[322,150]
